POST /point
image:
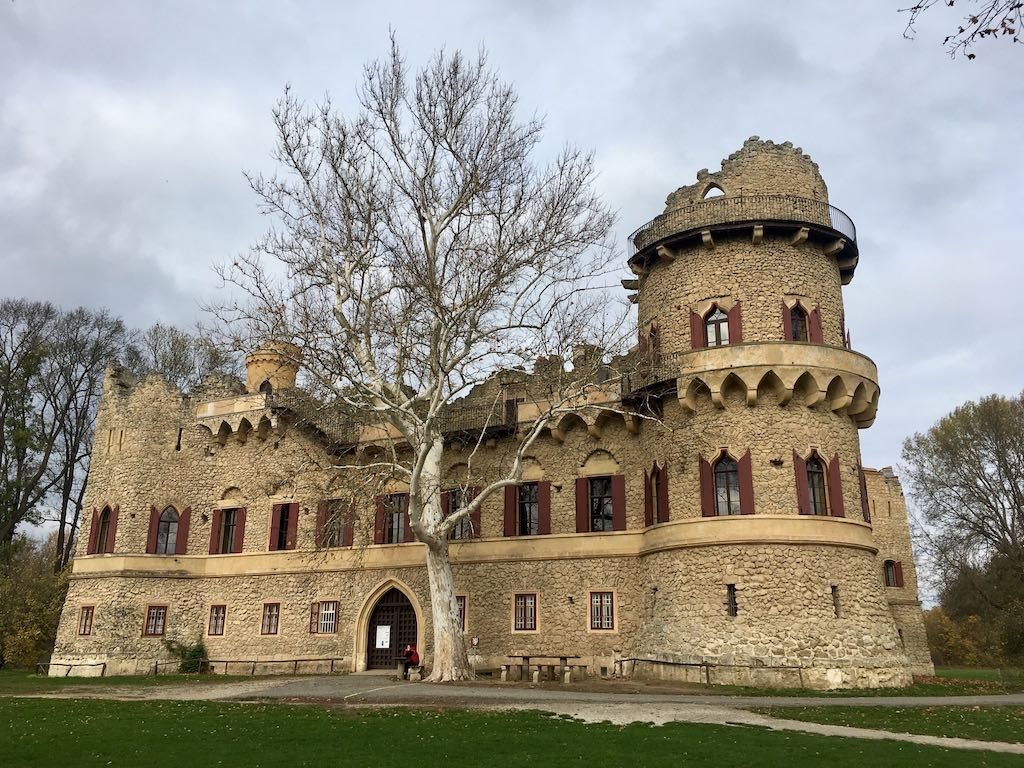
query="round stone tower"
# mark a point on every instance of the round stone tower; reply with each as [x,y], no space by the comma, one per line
[272,367]
[743,342]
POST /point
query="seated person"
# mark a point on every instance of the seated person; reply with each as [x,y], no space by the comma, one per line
[412,659]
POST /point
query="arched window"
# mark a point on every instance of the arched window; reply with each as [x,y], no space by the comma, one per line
[893,573]
[716,327]
[167,532]
[797,324]
[267,388]
[817,494]
[727,486]
[104,530]
[713,190]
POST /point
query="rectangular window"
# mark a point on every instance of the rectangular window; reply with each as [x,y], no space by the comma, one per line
[602,610]
[460,601]
[464,528]
[397,508]
[526,613]
[217,615]
[85,620]
[328,620]
[732,606]
[836,608]
[228,523]
[600,504]
[528,510]
[271,614]
[281,534]
[156,621]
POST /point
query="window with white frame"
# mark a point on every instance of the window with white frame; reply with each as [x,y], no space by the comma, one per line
[85,620]
[271,616]
[156,621]
[323,617]
[602,610]
[217,615]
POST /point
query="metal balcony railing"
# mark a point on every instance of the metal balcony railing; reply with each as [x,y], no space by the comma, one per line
[739,210]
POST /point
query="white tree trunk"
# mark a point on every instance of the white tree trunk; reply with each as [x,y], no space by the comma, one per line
[450,661]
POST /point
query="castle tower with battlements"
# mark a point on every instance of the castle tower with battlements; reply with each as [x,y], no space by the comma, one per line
[712,521]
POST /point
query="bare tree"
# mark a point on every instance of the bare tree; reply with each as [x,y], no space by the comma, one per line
[986,19]
[183,358]
[420,249]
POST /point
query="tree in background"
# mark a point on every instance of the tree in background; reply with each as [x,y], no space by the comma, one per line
[966,477]
[420,249]
[184,359]
[984,19]
[31,597]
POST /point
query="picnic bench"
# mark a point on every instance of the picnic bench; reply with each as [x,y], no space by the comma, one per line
[543,663]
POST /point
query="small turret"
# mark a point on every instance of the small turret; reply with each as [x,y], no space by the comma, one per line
[272,367]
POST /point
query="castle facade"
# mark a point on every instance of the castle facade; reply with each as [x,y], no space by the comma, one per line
[712,522]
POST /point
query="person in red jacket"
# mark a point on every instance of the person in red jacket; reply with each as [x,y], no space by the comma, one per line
[412,659]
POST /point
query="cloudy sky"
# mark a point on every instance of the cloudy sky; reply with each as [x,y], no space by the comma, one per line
[125,128]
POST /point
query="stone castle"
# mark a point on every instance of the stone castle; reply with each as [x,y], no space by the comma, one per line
[713,522]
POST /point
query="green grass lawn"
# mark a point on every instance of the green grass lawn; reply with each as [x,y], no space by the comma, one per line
[15,681]
[985,723]
[1007,675]
[37,733]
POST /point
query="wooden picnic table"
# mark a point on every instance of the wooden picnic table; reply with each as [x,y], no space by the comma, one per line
[526,660]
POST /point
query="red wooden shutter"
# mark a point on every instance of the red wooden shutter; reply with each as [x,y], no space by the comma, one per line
[735,324]
[898,567]
[181,542]
[215,527]
[544,507]
[697,340]
[291,537]
[642,346]
[94,529]
[835,488]
[474,516]
[663,495]
[446,504]
[803,493]
[865,504]
[378,520]
[655,348]
[787,323]
[582,505]
[112,529]
[746,484]
[275,523]
[347,527]
[314,618]
[618,503]
[154,529]
[320,535]
[649,496]
[707,489]
[239,542]
[814,326]
[511,496]
[406,522]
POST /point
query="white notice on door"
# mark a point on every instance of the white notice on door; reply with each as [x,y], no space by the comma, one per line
[383,636]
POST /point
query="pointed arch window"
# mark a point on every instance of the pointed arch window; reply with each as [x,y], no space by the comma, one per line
[104,530]
[167,532]
[727,486]
[712,191]
[817,494]
[716,327]
[797,324]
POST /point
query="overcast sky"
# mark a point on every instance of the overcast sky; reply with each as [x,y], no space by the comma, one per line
[125,128]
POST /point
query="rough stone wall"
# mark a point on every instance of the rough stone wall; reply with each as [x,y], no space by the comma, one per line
[891,530]
[760,276]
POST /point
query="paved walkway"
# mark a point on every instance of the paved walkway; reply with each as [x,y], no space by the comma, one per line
[628,704]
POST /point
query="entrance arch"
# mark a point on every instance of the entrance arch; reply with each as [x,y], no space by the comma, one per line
[391,615]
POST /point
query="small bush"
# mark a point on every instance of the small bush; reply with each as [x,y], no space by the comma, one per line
[190,655]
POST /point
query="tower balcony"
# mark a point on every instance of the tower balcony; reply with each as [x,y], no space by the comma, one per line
[782,214]
[818,374]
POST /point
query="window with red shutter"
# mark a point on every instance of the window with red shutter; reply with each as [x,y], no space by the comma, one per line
[697,340]
[814,326]
[544,507]
[735,324]
[618,503]
[746,478]
[509,510]
[802,490]
[154,523]
[835,488]
[865,505]
[649,496]
[181,542]
[707,489]
[582,504]
[94,529]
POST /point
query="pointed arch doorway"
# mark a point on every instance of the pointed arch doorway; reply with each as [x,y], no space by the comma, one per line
[391,627]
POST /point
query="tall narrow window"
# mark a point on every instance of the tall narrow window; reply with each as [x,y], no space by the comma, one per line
[655,491]
[727,486]
[156,621]
[271,615]
[85,620]
[732,606]
[464,528]
[716,327]
[528,511]
[797,324]
[526,613]
[460,603]
[167,532]
[601,504]
[836,608]
[229,522]
[893,573]
[280,533]
[602,610]
[817,494]
[218,613]
[104,530]
[397,508]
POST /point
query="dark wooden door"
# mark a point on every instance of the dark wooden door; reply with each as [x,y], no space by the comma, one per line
[394,611]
